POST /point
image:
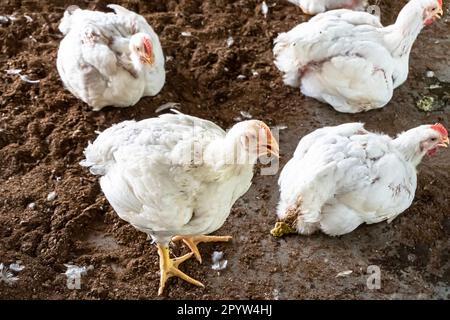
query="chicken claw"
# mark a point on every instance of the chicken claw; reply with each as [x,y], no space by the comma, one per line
[169,268]
[193,241]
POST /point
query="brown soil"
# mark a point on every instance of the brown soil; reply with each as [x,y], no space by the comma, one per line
[44,129]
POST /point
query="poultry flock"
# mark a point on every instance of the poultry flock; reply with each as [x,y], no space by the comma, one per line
[176,177]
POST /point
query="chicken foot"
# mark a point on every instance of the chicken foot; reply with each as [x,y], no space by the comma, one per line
[169,268]
[193,241]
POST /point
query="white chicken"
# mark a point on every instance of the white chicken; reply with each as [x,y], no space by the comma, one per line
[343,176]
[109,59]
[177,175]
[348,59]
[313,7]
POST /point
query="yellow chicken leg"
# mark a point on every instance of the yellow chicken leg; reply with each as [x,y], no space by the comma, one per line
[193,241]
[169,268]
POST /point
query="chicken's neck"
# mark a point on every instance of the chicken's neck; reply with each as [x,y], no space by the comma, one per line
[400,36]
[225,154]
[408,145]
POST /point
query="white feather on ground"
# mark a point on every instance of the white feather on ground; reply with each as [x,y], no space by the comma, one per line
[218,263]
[6,275]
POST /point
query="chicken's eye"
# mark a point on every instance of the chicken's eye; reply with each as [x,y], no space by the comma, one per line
[433,139]
[434,9]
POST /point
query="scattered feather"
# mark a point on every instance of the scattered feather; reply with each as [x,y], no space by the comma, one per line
[344,273]
[246,115]
[13,71]
[218,263]
[51,196]
[281,127]
[26,79]
[169,58]
[255,73]
[12,18]
[4,19]
[6,275]
[74,271]
[264,9]
[240,77]
[29,19]
[168,105]
[186,34]
[412,257]
[22,77]
[31,206]
[435,86]
[16,267]
[276,294]
[230,41]
[429,74]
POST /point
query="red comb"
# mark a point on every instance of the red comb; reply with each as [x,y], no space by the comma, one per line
[440,128]
[440,3]
[147,46]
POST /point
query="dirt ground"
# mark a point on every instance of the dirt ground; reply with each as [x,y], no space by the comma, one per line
[44,129]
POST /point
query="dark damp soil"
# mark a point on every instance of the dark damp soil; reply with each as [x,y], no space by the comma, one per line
[44,129]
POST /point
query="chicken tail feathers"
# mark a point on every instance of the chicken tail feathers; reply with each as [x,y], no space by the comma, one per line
[66,21]
[99,156]
[94,160]
[119,10]
[285,60]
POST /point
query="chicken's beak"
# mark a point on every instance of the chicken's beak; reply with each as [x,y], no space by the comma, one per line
[444,143]
[439,13]
[148,59]
[272,144]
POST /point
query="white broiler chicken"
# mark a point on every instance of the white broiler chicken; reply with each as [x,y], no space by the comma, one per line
[177,175]
[343,176]
[313,7]
[109,59]
[348,59]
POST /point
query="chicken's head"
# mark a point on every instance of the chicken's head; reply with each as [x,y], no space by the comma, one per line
[255,139]
[433,137]
[141,47]
[432,11]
